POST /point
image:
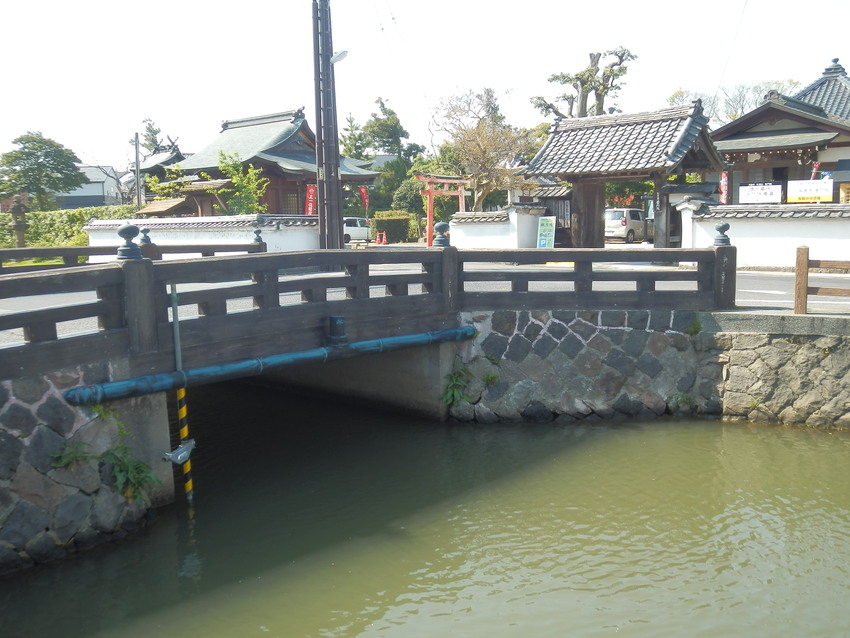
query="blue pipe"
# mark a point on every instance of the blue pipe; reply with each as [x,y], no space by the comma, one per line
[139,386]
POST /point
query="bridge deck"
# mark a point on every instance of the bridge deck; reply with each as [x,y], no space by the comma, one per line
[245,306]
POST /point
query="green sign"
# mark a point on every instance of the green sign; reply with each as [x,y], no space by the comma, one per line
[546,232]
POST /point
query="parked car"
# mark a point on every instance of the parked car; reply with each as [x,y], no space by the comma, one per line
[629,225]
[355,229]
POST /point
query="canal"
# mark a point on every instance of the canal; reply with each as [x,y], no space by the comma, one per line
[312,518]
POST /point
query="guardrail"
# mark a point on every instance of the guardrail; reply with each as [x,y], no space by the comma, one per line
[802,290]
[243,306]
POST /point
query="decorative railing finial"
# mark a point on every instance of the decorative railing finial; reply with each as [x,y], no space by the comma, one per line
[442,234]
[721,239]
[129,250]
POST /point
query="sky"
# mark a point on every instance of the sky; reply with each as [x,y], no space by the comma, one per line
[86,74]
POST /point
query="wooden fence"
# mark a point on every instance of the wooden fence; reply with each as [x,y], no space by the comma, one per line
[802,289]
[239,307]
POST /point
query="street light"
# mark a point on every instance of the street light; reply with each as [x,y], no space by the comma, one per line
[329,187]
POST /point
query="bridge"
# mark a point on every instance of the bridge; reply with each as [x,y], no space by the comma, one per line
[376,324]
[239,308]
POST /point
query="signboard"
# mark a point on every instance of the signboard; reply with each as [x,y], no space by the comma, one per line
[310,200]
[546,232]
[364,197]
[762,193]
[809,190]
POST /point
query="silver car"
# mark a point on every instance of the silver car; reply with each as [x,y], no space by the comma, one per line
[628,225]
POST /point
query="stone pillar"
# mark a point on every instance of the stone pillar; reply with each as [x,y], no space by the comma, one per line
[19,221]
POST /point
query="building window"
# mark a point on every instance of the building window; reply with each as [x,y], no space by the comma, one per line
[290,204]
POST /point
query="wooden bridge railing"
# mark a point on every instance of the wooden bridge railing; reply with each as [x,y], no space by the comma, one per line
[245,306]
[802,290]
[72,256]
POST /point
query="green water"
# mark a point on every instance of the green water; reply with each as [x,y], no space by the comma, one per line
[318,520]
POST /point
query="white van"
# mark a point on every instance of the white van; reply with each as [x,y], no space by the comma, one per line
[628,225]
[355,229]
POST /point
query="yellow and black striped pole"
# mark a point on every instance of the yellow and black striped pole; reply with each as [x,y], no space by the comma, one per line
[182,419]
[183,428]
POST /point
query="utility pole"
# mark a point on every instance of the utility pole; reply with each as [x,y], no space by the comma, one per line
[329,187]
[138,177]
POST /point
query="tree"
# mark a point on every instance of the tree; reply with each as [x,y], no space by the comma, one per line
[487,147]
[353,142]
[149,140]
[170,187]
[445,162]
[393,173]
[736,101]
[382,133]
[39,167]
[407,196]
[247,187]
[601,82]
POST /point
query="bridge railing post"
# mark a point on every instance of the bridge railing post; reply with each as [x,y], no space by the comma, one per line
[801,281]
[725,276]
[451,278]
[140,305]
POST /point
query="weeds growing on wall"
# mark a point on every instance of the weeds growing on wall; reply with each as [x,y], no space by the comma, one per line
[72,453]
[133,477]
[456,384]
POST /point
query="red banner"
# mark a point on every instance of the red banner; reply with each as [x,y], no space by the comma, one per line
[815,170]
[310,201]
[364,196]
[724,187]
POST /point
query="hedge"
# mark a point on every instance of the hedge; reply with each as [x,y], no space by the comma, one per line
[61,227]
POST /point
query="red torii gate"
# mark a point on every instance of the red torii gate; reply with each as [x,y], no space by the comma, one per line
[433,180]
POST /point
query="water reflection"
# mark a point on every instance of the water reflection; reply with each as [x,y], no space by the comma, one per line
[319,520]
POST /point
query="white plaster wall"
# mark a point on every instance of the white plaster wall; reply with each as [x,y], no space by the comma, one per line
[832,155]
[519,232]
[284,239]
[473,236]
[526,229]
[773,243]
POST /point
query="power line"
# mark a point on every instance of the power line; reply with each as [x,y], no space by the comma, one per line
[729,51]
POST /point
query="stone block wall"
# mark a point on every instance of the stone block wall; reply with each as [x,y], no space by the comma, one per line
[48,511]
[794,379]
[564,365]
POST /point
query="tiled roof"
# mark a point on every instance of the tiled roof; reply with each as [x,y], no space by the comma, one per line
[623,145]
[206,185]
[696,187]
[831,91]
[552,191]
[494,217]
[164,158]
[750,141]
[97,174]
[301,163]
[220,221]
[283,139]
[247,138]
[160,206]
[774,211]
